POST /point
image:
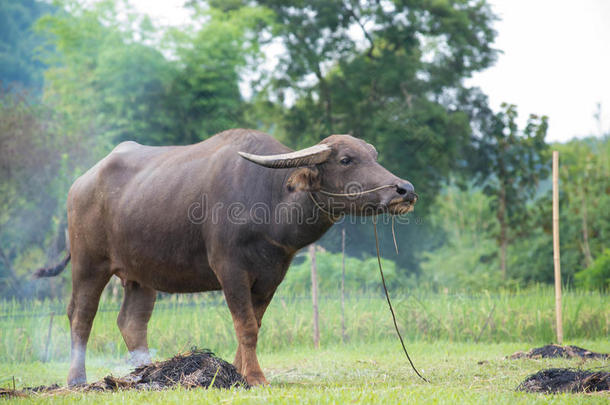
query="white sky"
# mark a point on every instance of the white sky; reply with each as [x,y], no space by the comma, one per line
[556,62]
[556,59]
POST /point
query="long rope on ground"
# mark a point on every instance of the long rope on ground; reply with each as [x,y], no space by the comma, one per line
[387,295]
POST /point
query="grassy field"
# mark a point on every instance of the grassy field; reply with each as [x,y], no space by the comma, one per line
[440,331]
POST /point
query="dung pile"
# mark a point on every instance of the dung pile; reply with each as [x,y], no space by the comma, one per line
[197,368]
[556,380]
[551,351]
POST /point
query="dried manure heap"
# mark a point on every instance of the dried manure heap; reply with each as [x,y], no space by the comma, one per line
[197,368]
[558,380]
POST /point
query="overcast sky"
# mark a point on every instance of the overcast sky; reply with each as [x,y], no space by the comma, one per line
[555,61]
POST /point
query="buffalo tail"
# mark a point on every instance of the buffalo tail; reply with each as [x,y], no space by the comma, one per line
[52,271]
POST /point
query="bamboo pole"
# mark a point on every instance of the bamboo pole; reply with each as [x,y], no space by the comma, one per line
[556,255]
[343,337]
[314,296]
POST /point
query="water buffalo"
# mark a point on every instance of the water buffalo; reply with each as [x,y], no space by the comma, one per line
[228,213]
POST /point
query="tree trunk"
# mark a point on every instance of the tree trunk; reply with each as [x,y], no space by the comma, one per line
[503,231]
[314,295]
[585,230]
[325,93]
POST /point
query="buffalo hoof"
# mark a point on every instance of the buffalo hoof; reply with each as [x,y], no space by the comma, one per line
[139,358]
[257,380]
[77,380]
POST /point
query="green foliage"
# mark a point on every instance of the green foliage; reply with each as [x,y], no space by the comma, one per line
[510,163]
[584,211]
[389,72]
[513,160]
[29,259]
[585,196]
[29,163]
[467,260]
[204,97]
[360,275]
[470,249]
[596,276]
[107,87]
[106,83]
[19,44]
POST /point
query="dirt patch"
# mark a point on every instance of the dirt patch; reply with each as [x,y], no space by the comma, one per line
[556,380]
[551,351]
[7,392]
[197,368]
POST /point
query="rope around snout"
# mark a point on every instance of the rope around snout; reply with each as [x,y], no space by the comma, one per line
[357,193]
[354,194]
[387,296]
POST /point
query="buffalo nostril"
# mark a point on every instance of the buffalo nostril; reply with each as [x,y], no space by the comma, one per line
[405,188]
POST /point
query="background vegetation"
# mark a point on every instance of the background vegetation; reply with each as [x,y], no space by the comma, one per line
[80,77]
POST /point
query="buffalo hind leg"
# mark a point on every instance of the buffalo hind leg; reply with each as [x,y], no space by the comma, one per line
[137,307]
[259,306]
[88,282]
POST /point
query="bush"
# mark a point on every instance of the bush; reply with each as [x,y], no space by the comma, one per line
[597,275]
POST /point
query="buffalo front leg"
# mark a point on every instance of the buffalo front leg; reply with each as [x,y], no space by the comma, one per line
[238,297]
[87,286]
[137,307]
[259,306]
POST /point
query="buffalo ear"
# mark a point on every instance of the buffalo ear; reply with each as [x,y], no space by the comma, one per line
[304,179]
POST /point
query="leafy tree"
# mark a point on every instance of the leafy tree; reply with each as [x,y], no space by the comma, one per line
[390,84]
[510,163]
[110,82]
[107,86]
[204,97]
[467,255]
[584,170]
[19,43]
[584,215]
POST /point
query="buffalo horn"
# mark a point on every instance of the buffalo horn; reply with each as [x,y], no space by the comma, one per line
[304,157]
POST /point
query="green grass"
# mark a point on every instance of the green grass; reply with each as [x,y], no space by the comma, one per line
[372,373]
[440,332]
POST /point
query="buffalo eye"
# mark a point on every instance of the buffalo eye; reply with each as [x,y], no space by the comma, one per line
[346,161]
